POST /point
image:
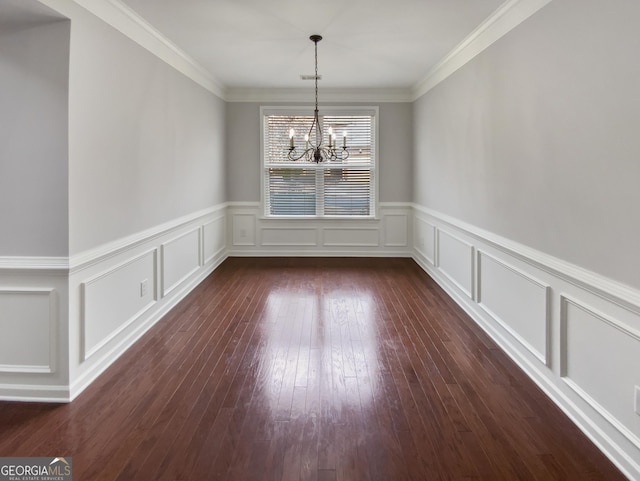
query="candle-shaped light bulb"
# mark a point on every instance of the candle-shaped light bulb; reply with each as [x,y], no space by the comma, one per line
[330,136]
[306,140]
[291,134]
[344,139]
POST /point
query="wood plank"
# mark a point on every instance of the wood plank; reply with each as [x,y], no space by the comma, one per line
[311,369]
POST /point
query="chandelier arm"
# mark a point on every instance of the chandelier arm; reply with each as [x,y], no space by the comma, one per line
[315,151]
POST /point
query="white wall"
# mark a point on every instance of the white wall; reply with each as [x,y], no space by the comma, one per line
[146,192]
[34,71]
[146,142]
[137,197]
[249,233]
[536,139]
[526,192]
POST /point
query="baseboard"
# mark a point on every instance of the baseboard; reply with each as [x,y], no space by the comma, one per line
[252,234]
[122,290]
[109,357]
[519,298]
[79,315]
[34,393]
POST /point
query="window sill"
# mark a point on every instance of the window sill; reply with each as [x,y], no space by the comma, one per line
[321,219]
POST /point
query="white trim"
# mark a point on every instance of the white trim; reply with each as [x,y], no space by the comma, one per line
[80,383]
[90,257]
[543,357]
[88,353]
[33,263]
[614,439]
[508,16]
[256,245]
[130,24]
[124,19]
[34,393]
[608,289]
[164,290]
[287,243]
[305,95]
[374,230]
[540,375]
[223,219]
[330,110]
[472,250]
[53,332]
[565,300]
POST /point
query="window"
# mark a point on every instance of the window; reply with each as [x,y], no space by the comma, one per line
[328,189]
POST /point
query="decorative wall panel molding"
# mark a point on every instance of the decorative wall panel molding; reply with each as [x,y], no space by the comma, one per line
[517,301]
[152,236]
[425,239]
[289,236]
[181,258]
[244,228]
[28,323]
[252,234]
[575,333]
[596,352]
[396,230]
[350,237]
[454,258]
[127,290]
[116,298]
[214,238]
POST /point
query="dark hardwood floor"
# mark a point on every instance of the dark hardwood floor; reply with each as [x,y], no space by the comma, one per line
[310,369]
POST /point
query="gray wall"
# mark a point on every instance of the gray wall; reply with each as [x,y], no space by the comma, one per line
[34,66]
[243,150]
[146,143]
[538,138]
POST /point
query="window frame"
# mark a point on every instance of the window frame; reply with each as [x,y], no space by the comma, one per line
[373,111]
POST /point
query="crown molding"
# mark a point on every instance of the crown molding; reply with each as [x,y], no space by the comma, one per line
[306,95]
[115,13]
[508,16]
[129,23]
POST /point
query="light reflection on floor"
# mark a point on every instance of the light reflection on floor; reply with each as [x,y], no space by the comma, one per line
[320,354]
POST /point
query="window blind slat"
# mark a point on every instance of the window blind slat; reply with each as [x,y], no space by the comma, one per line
[300,188]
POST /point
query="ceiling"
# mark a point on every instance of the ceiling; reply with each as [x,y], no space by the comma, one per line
[378,44]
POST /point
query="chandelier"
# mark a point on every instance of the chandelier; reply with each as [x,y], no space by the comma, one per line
[314,150]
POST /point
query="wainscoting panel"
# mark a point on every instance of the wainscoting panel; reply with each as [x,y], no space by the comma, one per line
[518,302]
[575,333]
[114,299]
[214,239]
[454,258]
[252,234]
[28,325]
[122,289]
[244,229]
[288,236]
[396,230]
[180,259]
[425,239]
[350,237]
[597,351]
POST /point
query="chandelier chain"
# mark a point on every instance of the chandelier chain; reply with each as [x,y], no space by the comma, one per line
[315,151]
